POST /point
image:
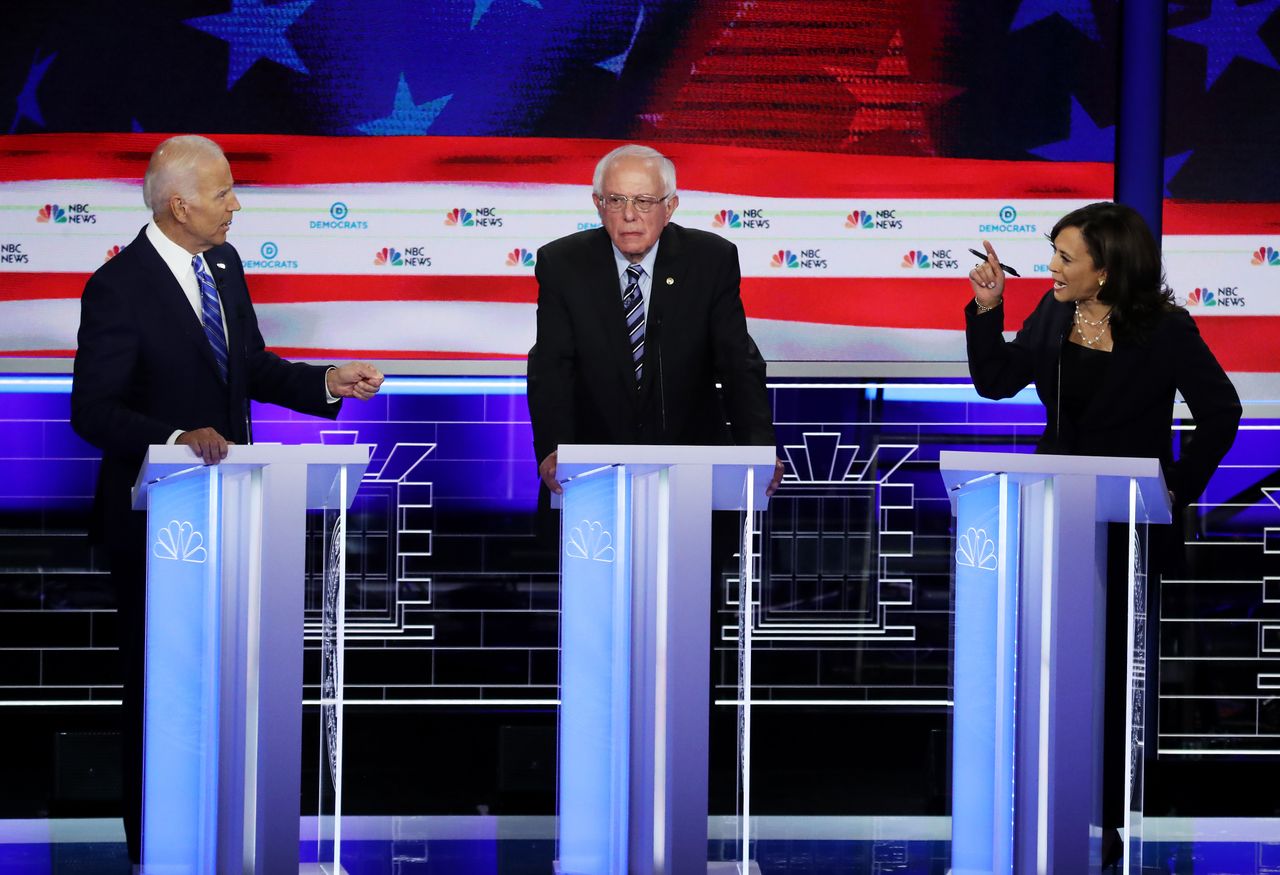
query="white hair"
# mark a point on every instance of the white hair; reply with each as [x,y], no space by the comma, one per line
[171,170]
[666,170]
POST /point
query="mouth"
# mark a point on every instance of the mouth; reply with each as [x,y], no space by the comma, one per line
[1058,285]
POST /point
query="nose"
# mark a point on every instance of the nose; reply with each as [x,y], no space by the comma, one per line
[629,211]
[1054,263]
[234,203]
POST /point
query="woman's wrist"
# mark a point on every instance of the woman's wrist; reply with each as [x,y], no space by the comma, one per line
[986,308]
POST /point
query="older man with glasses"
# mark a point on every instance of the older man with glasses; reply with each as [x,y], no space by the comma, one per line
[637,323]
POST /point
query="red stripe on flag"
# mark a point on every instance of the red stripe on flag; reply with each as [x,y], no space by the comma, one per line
[41,286]
[286,160]
[1242,343]
[1184,217]
[307,352]
[296,289]
[880,302]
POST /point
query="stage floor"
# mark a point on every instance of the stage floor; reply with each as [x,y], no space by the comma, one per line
[525,845]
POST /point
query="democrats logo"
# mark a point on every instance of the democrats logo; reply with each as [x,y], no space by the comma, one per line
[1266,256]
[934,259]
[407,256]
[740,219]
[859,219]
[1221,297]
[1007,223]
[72,214]
[11,253]
[520,258]
[111,253]
[479,217]
[270,259]
[339,220]
[807,258]
[726,219]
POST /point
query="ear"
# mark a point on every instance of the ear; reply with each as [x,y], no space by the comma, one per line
[178,209]
[672,203]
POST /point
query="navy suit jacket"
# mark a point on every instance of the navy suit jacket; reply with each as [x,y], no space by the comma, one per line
[581,381]
[1131,413]
[144,367]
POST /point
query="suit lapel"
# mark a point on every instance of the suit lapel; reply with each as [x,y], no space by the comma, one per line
[668,274]
[173,301]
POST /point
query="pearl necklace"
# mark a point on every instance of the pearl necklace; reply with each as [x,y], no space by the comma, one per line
[1102,325]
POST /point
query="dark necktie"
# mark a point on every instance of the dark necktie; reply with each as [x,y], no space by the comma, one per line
[633,307]
[211,313]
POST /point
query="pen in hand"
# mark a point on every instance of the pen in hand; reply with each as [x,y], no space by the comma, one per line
[1006,268]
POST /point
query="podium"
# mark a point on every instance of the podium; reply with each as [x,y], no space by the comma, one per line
[635,650]
[226,548]
[1030,580]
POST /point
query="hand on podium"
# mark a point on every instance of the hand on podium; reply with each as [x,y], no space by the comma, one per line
[547,471]
[206,443]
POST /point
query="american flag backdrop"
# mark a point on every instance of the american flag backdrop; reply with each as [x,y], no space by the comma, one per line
[401,162]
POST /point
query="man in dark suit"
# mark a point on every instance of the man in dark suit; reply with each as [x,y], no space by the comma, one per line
[637,321]
[169,352]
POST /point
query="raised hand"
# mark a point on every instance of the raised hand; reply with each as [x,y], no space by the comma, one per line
[987,279]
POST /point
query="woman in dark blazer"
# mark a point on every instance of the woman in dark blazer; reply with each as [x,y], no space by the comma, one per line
[1107,348]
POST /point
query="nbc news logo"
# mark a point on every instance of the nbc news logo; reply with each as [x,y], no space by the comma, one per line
[73,214]
[520,257]
[736,219]
[810,258]
[480,217]
[11,253]
[1223,296]
[936,259]
[407,256]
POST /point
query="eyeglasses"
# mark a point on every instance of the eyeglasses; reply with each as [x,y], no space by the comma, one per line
[642,202]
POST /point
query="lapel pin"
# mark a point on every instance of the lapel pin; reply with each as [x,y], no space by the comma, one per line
[220,266]
[671,281]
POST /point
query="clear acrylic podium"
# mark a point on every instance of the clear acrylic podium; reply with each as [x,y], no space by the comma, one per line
[1030,580]
[635,651]
[226,556]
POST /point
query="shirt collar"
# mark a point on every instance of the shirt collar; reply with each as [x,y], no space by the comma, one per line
[177,258]
[647,262]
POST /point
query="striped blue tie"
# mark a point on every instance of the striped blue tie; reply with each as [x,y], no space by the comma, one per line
[633,307]
[211,312]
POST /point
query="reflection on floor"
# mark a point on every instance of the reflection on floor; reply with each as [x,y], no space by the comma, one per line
[524,846]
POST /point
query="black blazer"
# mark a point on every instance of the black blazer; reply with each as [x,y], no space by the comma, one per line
[144,368]
[1132,412]
[581,383]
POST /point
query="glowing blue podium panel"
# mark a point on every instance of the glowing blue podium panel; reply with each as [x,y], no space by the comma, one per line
[635,650]
[1030,572]
[223,699]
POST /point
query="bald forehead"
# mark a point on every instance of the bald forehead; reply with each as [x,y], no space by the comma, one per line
[631,168]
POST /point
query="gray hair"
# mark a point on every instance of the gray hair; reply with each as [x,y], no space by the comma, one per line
[666,170]
[171,169]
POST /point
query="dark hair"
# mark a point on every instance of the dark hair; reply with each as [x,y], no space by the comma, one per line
[1119,241]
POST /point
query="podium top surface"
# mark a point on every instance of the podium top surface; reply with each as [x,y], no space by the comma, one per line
[728,463]
[959,469]
[322,461]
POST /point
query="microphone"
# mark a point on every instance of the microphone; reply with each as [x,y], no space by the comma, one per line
[662,395]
